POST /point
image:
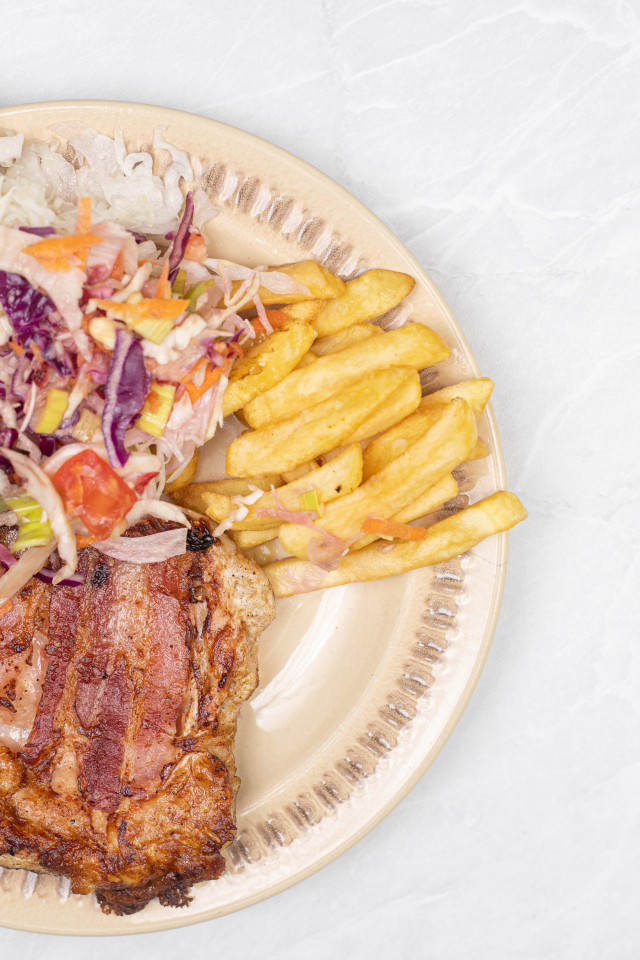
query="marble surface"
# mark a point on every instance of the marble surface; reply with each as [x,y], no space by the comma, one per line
[500,141]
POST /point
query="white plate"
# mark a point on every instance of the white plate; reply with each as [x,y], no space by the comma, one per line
[360,685]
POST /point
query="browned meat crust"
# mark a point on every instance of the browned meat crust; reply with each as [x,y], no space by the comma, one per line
[126,782]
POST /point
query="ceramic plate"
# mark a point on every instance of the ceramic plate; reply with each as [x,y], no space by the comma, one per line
[360,686]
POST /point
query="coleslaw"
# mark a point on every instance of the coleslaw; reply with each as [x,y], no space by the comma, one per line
[117,335]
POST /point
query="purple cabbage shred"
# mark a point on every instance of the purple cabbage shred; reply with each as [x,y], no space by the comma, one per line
[25,306]
[181,239]
[38,231]
[126,390]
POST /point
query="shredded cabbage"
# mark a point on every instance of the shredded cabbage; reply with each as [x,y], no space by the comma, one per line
[58,337]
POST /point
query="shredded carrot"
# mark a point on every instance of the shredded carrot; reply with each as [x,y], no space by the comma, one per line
[83,223]
[52,252]
[56,265]
[202,362]
[15,346]
[118,268]
[148,309]
[391,528]
[83,541]
[276,318]
[196,248]
[210,377]
[164,276]
[37,352]
[155,263]
[235,350]
[6,607]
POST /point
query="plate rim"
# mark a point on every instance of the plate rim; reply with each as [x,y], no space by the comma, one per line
[493,613]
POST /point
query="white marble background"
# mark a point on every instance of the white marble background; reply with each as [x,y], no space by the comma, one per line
[501,142]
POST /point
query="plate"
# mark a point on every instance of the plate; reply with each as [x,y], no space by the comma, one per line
[360,685]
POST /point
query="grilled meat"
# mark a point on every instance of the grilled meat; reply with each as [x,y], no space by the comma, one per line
[118,706]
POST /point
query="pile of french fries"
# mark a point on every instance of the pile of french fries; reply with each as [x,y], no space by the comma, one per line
[336,420]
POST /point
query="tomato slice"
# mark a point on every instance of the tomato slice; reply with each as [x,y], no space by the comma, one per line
[94,492]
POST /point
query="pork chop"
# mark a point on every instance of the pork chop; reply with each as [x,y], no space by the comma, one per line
[118,707]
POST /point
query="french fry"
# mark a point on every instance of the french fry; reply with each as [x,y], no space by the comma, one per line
[341,476]
[412,346]
[246,539]
[320,282]
[399,405]
[475,392]
[305,361]
[446,444]
[185,477]
[317,430]
[398,438]
[305,468]
[306,310]
[368,296]
[447,539]
[345,338]
[267,363]
[228,488]
[427,502]
[195,496]
[480,451]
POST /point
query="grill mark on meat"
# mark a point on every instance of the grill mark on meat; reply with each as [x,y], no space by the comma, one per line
[93,653]
[64,610]
[166,674]
[100,763]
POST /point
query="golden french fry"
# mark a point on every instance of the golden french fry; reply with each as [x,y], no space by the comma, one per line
[304,361]
[338,477]
[345,338]
[317,430]
[475,392]
[229,488]
[436,453]
[267,363]
[342,475]
[300,471]
[185,477]
[320,282]
[480,450]
[398,438]
[306,310]
[412,346]
[399,405]
[247,539]
[203,499]
[447,539]
[364,298]
[427,502]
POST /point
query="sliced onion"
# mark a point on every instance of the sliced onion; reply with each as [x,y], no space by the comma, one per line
[47,575]
[156,508]
[152,549]
[69,450]
[327,550]
[304,518]
[27,566]
[6,557]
